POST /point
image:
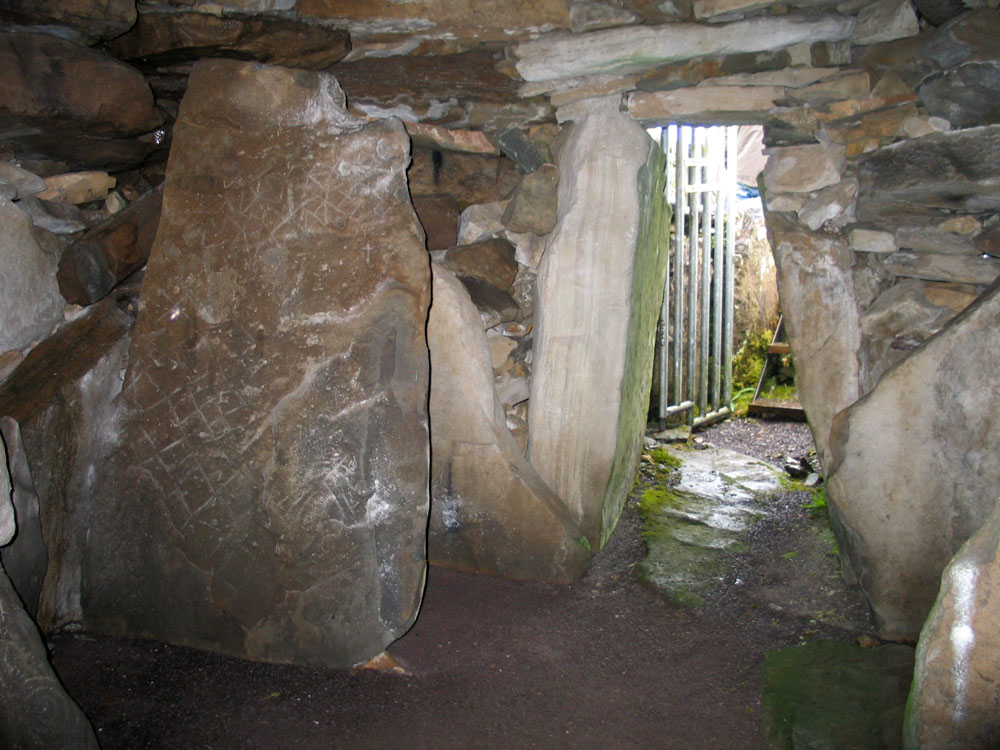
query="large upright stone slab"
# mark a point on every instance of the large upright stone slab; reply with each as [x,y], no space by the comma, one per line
[915,467]
[598,294]
[270,498]
[953,702]
[65,387]
[822,318]
[490,511]
[35,710]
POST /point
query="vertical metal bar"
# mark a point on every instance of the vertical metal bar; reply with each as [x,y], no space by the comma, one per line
[718,267]
[683,134]
[727,355]
[706,274]
[669,148]
[692,280]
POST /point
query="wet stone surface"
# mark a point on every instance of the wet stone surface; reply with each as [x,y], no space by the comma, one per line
[699,514]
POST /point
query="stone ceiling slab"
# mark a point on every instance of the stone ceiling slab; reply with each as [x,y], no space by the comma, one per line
[640,48]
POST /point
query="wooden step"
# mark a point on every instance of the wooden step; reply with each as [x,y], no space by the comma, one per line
[779,347]
[776,410]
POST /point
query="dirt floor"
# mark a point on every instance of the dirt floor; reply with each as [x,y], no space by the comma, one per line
[602,663]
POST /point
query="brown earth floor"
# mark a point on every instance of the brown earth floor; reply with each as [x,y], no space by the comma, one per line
[602,663]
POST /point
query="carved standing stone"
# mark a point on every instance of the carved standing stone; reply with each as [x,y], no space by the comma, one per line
[270,499]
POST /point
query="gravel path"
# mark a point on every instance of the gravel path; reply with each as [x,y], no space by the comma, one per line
[764,439]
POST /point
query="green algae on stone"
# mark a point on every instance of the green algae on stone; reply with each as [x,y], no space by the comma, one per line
[686,541]
[651,252]
[831,694]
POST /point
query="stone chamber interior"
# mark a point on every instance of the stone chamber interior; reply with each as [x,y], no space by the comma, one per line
[300,298]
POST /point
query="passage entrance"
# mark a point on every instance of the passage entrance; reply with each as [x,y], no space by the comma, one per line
[694,344]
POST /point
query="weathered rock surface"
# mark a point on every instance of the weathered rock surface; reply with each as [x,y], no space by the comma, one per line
[966,96]
[24,558]
[907,314]
[463,90]
[94,264]
[66,386]
[490,510]
[63,101]
[533,207]
[706,517]
[8,525]
[934,238]
[470,178]
[516,146]
[822,321]
[495,305]
[939,11]
[30,304]
[18,183]
[705,104]
[438,215]
[641,48]
[491,260]
[836,695]
[274,435]
[35,710]
[913,472]
[955,170]
[790,126]
[833,202]
[872,241]
[963,269]
[969,37]
[77,187]
[954,696]
[884,21]
[802,169]
[481,221]
[53,217]
[464,21]
[85,21]
[170,38]
[598,292]
[435,137]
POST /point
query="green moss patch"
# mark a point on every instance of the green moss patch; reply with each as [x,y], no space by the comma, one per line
[830,694]
[687,535]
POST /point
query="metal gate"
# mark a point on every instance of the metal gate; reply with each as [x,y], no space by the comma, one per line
[695,341]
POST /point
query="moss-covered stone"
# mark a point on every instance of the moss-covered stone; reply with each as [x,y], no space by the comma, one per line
[687,538]
[831,694]
[651,249]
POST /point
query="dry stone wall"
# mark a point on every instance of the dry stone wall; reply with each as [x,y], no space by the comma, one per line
[881,196]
